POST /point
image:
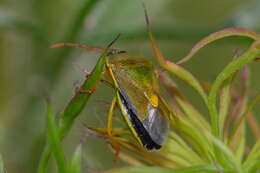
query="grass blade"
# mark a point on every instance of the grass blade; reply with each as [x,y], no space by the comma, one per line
[198,169]
[175,69]
[2,169]
[216,36]
[194,138]
[245,114]
[54,140]
[177,146]
[76,161]
[191,112]
[75,106]
[253,125]
[253,155]
[227,153]
[224,103]
[229,70]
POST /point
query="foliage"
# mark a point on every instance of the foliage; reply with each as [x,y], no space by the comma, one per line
[212,141]
[194,144]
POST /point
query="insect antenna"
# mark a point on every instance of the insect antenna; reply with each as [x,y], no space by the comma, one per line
[91,49]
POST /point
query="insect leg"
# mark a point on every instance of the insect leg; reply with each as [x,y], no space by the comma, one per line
[114,145]
[91,49]
[110,116]
[87,91]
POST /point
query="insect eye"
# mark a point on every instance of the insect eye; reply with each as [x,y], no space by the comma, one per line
[115,52]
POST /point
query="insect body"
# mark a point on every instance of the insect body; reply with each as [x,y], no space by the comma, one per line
[139,99]
[137,93]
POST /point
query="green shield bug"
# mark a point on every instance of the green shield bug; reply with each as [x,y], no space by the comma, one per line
[137,95]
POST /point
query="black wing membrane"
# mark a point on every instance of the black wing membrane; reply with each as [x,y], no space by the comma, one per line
[143,134]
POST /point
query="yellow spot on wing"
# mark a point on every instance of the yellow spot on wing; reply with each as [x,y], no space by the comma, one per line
[154,100]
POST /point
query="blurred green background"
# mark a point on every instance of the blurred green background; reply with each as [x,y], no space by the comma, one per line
[29,69]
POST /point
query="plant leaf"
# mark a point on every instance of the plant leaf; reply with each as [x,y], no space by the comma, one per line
[224,102]
[253,155]
[231,68]
[183,103]
[75,106]
[245,114]
[227,153]
[54,140]
[175,69]
[216,36]
[196,169]
[177,147]
[194,137]
[76,161]
[2,170]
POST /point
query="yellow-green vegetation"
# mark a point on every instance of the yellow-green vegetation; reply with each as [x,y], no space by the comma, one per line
[194,144]
[193,111]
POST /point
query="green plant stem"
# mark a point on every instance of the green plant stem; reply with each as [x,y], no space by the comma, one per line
[85,9]
[243,117]
[76,160]
[228,71]
[55,143]
[219,35]
[244,59]
[199,168]
[2,170]
[73,109]
[224,103]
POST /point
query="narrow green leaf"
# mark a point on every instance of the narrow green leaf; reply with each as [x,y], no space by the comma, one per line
[227,153]
[184,104]
[54,141]
[195,138]
[131,160]
[79,101]
[76,161]
[2,169]
[175,69]
[186,76]
[230,69]
[241,142]
[224,102]
[219,35]
[75,106]
[253,155]
[245,114]
[253,166]
[196,169]
[43,164]
[237,143]
[177,147]
[193,114]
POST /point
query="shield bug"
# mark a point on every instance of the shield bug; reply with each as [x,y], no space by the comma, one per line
[137,95]
[139,99]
